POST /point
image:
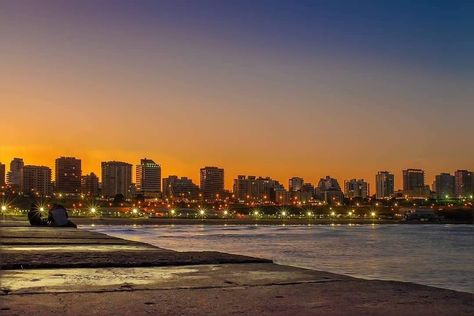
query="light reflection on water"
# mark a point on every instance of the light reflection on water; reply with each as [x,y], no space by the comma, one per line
[437,255]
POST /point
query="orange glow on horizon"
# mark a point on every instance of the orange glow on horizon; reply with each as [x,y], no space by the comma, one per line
[123,88]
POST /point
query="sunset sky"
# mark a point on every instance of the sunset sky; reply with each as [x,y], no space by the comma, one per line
[270,88]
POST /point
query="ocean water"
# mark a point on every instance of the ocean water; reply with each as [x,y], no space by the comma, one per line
[436,255]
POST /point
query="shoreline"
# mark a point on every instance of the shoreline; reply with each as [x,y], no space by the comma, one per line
[235,221]
[329,269]
[50,271]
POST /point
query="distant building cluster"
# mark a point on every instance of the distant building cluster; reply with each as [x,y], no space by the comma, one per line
[117,182]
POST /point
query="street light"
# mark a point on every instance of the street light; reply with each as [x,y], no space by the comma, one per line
[93,210]
[4,208]
[134,211]
[372,214]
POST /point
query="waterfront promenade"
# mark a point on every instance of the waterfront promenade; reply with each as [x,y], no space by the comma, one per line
[46,271]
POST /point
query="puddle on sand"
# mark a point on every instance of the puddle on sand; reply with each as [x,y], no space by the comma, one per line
[65,248]
[62,280]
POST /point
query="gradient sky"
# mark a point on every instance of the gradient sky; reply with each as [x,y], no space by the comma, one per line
[271,88]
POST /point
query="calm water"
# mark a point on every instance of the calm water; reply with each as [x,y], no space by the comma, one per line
[437,255]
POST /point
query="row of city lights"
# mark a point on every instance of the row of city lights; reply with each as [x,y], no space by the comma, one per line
[202,212]
[94,209]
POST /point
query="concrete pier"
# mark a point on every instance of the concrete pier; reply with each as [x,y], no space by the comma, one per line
[46,271]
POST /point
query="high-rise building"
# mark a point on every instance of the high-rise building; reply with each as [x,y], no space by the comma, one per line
[254,188]
[2,174]
[308,188]
[444,185]
[304,195]
[14,175]
[36,180]
[328,183]
[329,190]
[212,182]
[148,176]
[356,188]
[464,183]
[414,183]
[385,184]
[280,195]
[241,188]
[174,187]
[116,178]
[295,184]
[68,175]
[90,184]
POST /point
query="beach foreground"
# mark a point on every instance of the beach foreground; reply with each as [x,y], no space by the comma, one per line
[46,271]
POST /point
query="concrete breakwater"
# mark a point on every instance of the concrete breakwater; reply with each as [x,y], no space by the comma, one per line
[46,271]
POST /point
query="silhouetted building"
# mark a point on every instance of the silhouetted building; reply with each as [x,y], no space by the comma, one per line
[2,174]
[295,184]
[328,190]
[90,184]
[303,195]
[116,178]
[241,188]
[35,180]
[68,175]
[464,183]
[308,188]
[414,183]
[174,187]
[148,177]
[211,182]
[133,189]
[258,189]
[385,185]
[444,185]
[14,175]
[281,196]
[356,188]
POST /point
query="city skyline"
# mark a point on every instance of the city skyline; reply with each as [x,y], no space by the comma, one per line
[302,180]
[307,89]
[222,157]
